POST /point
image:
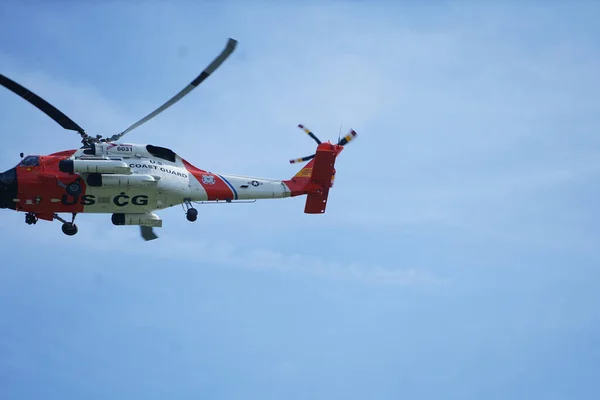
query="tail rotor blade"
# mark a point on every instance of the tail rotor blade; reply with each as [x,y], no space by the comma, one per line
[216,63]
[348,138]
[303,159]
[312,135]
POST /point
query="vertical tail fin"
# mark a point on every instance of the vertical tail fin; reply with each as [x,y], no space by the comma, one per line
[316,178]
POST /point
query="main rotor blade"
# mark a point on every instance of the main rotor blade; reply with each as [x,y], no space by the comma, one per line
[42,105]
[229,48]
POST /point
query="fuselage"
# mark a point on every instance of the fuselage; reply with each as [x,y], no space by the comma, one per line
[121,178]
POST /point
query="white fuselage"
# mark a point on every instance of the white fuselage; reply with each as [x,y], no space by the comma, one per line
[153,182]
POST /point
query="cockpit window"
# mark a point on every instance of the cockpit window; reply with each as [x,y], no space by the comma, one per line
[161,152]
[30,161]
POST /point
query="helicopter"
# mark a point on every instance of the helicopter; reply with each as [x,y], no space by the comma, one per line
[133,181]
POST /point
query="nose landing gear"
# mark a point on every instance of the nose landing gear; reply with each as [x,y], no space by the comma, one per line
[68,228]
[31,219]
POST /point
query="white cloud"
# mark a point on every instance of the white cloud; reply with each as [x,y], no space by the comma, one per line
[101,238]
[226,254]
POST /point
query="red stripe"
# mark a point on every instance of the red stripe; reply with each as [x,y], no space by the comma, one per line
[215,187]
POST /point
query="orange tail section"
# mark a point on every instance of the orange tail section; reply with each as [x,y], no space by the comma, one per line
[316,178]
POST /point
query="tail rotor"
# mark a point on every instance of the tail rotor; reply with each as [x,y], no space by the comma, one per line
[341,142]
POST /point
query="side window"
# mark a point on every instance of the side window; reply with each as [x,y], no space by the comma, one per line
[161,152]
[30,161]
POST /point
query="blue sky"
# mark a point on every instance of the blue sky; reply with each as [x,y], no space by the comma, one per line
[458,257]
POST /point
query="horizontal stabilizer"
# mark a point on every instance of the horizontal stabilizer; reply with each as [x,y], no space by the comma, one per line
[316,203]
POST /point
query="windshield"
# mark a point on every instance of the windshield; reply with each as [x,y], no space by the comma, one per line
[30,161]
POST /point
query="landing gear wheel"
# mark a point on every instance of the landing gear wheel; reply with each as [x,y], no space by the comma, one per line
[191,214]
[30,219]
[74,189]
[69,228]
